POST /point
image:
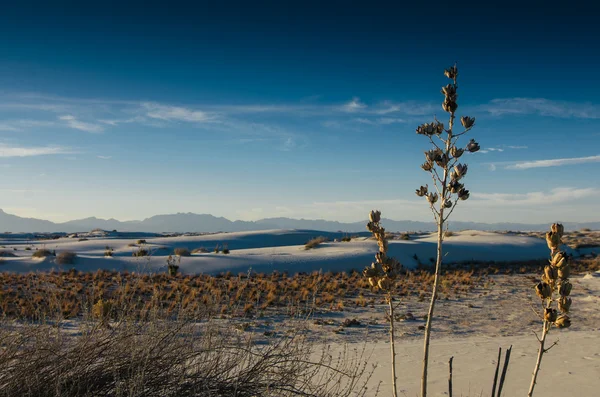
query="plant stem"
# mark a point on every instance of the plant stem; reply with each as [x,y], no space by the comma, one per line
[450,376]
[539,359]
[392,345]
[438,265]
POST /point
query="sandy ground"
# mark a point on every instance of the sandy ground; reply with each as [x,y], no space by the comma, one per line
[265,251]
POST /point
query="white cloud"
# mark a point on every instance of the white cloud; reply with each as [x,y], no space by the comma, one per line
[104,157]
[390,120]
[410,108]
[517,147]
[18,151]
[553,162]
[543,107]
[72,122]
[176,113]
[557,195]
[353,106]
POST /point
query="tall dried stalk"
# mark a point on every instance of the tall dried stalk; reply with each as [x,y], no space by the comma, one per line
[446,173]
[555,279]
[381,275]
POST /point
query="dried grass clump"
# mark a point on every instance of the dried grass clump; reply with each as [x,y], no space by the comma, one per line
[182,251]
[315,242]
[200,250]
[66,258]
[168,356]
[41,253]
[141,252]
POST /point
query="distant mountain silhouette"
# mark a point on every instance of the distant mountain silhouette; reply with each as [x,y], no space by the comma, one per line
[190,222]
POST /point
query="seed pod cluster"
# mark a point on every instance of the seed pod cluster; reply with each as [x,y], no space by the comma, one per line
[446,156]
[556,279]
[382,273]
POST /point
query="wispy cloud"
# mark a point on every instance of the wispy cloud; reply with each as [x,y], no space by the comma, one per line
[353,106]
[72,122]
[543,107]
[177,113]
[104,157]
[557,195]
[553,162]
[20,151]
[409,108]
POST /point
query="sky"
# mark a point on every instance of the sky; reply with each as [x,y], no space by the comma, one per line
[252,110]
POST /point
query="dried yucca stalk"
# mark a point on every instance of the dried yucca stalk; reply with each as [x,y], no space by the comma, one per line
[381,275]
[555,283]
[447,175]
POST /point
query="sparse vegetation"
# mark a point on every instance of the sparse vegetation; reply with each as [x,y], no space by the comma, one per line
[182,251]
[315,242]
[141,241]
[141,252]
[41,253]
[225,249]
[66,258]
[200,250]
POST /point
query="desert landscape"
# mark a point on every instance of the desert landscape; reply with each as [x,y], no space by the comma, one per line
[277,285]
[299,199]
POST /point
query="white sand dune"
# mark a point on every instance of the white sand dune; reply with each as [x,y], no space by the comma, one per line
[571,368]
[265,251]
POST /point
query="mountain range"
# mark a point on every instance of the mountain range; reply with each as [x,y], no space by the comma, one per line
[190,222]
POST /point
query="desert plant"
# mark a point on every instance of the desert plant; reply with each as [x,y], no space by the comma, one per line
[141,241]
[41,253]
[382,275]
[441,162]
[173,265]
[200,250]
[315,242]
[108,252]
[225,249]
[182,251]
[555,280]
[217,249]
[66,258]
[141,252]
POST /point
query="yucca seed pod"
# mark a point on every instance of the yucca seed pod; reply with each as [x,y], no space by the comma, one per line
[449,105]
[558,228]
[460,170]
[564,304]
[449,90]
[553,240]
[375,216]
[543,290]
[473,146]
[447,203]
[456,152]
[455,186]
[427,166]
[432,198]
[451,72]
[463,194]
[550,272]
[550,314]
[563,321]
[442,160]
[564,272]
[467,121]
[373,282]
[560,259]
[384,283]
[565,288]
[422,191]
[370,272]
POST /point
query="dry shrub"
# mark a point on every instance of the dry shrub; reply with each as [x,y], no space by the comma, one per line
[66,258]
[315,242]
[41,253]
[182,251]
[166,357]
[141,252]
[200,250]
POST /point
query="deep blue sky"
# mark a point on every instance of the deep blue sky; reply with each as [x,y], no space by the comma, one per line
[249,110]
